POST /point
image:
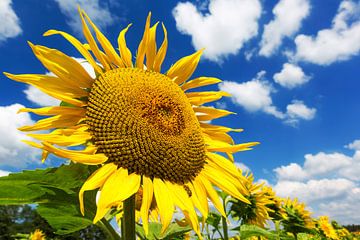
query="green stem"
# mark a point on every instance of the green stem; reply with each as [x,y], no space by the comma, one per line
[128,220]
[108,229]
[225,228]
[224,223]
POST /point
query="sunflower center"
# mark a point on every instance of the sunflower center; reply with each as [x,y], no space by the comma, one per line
[142,121]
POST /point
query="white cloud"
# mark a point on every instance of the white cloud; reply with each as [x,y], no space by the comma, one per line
[99,13]
[39,98]
[13,152]
[36,96]
[242,166]
[338,43]
[296,111]
[291,76]
[254,95]
[4,173]
[10,23]
[328,182]
[224,30]
[288,16]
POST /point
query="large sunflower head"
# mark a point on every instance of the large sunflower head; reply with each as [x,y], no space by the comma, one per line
[257,212]
[144,129]
[298,218]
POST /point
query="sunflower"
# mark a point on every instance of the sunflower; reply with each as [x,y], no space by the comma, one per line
[143,128]
[37,235]
[326,228]
[257,212]
[298,219]
[277,212]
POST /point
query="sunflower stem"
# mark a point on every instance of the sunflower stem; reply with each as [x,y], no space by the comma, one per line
[128,221]
[108,229]
[224,223]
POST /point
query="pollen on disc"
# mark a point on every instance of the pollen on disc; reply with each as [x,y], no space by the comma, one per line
[144,122]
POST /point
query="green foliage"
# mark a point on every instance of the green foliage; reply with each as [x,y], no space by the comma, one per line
[173,232]
[55,190]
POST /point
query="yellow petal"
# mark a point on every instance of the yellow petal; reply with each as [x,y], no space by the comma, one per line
[105,44]
[49,84]
[58,121]
[184,68]
[215,128]
[151,49]
[199,199]
[223,182]
[214,197]
[210,113]
[117,188]
[200,98]
[164,203]
[224,164]
[58,110]
[86,156]
[125,52]
[59,138]
[148,191]
[63,66]
[96,180]
[143,45]
[219,136]
[160,55]
[92,43]
[199,82]
[183,201]
[216,146]
[78,45]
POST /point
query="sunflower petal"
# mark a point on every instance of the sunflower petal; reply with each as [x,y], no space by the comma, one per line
[199,82]
[58,110]
[164,203]
[78,45]
[96,180]
[210,113]
[184,68]
[125,184]
[125,52]
[148,192]
[200,98]
[57,121]
[143,45]
[151,49]
[105,44]
[160,55]
[92,43]
[211,193]
[63,66]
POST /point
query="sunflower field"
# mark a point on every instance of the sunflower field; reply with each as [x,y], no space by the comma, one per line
[142,158]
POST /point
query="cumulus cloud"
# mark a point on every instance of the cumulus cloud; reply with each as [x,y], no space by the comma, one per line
[13,152]
[288,16]
[338,43]
[224,30]
[40,98]
[291,76]
[328,182]
[255,96]
[99,13]
[296,111]
[10,23]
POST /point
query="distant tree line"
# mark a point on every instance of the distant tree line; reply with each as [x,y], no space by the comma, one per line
[352,228]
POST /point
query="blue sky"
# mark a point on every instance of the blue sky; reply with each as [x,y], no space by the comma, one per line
[292,67]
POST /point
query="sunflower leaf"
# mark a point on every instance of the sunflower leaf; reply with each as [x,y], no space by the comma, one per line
[55,190]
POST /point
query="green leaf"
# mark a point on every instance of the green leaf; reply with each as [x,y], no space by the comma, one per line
[174,231]
[247,231]
[55,190]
